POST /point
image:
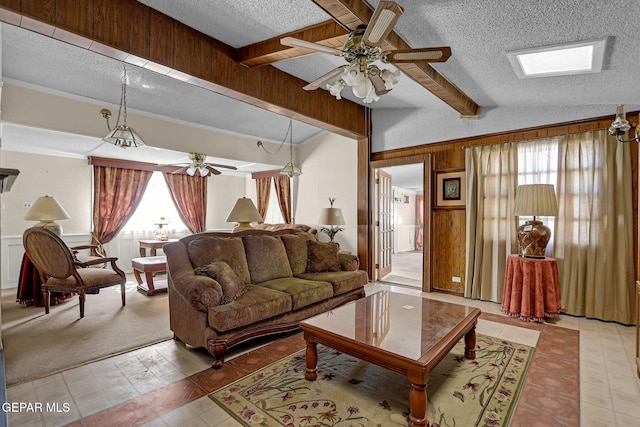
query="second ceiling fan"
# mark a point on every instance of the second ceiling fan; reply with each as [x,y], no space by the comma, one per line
[364,47]
[199,166]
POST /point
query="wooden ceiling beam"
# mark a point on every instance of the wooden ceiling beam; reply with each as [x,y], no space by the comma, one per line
[353,13]
[328,33]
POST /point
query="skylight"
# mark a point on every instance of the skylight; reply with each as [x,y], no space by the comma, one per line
[559,60]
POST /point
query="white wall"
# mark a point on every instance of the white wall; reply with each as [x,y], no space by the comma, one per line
[329,166]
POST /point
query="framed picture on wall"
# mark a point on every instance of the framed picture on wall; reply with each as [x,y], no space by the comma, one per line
[450,189]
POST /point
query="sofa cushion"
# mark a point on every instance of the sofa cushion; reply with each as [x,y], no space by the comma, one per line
[256,304]
[323,257]
[221,272]
[207,249]
[266,258]
[342,281]
[297,250]
[303,292]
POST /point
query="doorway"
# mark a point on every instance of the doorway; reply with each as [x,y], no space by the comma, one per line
[399,220]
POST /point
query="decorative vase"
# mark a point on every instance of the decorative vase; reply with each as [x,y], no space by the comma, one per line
[533,237]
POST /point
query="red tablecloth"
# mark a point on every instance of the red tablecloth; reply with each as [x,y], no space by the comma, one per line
[30,288]
[531,288]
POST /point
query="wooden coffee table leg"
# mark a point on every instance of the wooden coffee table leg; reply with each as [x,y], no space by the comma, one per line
[311,372]
[470,343]
[152,290]
[137,274]
[418,405]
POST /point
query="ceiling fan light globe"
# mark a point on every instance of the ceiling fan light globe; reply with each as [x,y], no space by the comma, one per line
[390,78]
[336,88]
[191,171]
[203,171]
[363,89]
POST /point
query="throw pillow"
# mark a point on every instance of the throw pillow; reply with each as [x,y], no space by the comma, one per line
[266,258]
[221,272]
[323,257]
[297,250]
[207,249]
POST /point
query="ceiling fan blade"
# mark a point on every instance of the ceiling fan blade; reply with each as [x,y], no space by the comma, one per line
[213,170]
[325,78]
[427,54]
[382,22]
[293,42]
[181,170]
[222,166]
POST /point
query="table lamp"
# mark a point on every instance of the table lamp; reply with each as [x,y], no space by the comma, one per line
[244,213]
[47,209]
[160,233]
[332,217]
[534,200]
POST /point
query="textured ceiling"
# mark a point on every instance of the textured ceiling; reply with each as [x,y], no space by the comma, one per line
[479,32]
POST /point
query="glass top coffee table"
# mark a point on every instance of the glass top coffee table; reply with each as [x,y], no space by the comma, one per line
[406,334]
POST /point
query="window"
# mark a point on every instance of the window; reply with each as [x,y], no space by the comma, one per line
[273,214]
[156,202]
[538,164]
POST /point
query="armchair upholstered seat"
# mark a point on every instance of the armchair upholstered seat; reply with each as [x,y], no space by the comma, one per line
[60,273]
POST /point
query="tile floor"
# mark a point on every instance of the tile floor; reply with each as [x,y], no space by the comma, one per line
[166,384]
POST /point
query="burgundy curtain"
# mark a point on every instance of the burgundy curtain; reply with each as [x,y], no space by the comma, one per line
[420,215]
[116,195]
[283,191]
[189,194]
[263,188]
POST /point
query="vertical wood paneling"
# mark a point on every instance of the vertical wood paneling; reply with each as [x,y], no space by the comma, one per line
[140,30]
[67,15]
[161,38]
[111,19]
[202,56]
[42,10]
[184,49]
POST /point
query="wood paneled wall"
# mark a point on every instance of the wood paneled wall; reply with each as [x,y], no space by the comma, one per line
[448,238]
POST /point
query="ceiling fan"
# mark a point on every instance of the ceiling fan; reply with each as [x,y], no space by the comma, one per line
[362,48]
[200,166]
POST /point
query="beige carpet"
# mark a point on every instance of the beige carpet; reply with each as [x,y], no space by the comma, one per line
[37,345]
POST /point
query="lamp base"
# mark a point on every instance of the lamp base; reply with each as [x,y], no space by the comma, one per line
[533,237]
[243,226]
[52,227]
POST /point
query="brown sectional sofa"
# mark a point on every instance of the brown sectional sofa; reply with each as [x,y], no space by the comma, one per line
[226,288]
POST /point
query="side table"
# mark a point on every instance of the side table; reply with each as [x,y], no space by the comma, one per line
[153,246]
[149,266]
[531,288]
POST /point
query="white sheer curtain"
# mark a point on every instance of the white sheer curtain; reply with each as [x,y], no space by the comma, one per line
[538,164]
[491,175]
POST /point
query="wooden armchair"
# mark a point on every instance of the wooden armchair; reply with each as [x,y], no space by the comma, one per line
[59,273]
[94,253]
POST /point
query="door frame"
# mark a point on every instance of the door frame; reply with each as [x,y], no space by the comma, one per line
[427,174]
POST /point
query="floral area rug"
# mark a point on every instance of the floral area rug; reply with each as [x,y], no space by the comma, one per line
[350,392]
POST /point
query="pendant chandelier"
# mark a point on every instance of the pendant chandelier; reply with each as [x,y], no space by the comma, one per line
[121,135]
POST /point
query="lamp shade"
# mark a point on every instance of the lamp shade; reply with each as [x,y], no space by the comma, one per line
[244,212]
[536,200]
[46,209]
[331,216]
